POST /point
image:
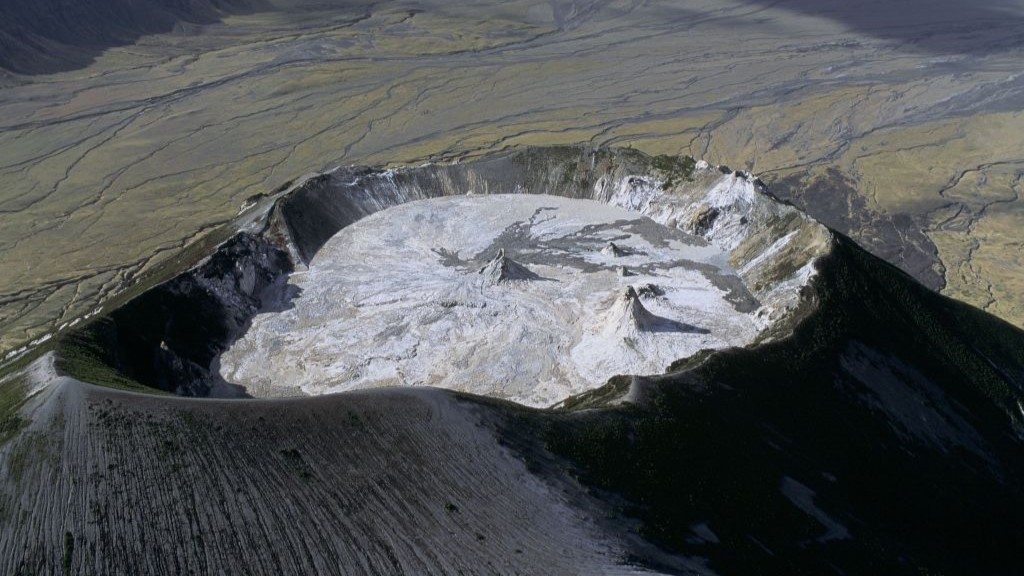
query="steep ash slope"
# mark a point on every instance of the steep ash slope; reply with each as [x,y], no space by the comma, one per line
[877,428]
[392,482]
[885,436]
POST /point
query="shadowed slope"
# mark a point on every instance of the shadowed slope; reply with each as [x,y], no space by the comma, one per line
[937,26]
[49,36]
[884,436]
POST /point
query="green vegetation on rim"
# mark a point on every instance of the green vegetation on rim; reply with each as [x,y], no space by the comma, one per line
[165,270]
[675,168]
[12,398]
[82,356]
[614,389]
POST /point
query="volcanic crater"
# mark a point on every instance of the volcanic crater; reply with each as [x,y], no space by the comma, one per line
[532,276]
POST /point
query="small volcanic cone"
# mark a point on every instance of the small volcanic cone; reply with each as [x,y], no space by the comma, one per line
[627,316]
[502,269]
[614,251]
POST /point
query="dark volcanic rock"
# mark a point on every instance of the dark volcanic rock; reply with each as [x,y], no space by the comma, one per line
[170,337]
[704,220]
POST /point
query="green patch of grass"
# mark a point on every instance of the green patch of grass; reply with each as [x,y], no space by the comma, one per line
[82,356]
[615,388]
[12,398]
[690,362]
[568,173]
[632,155]
[25,359]
[675,168]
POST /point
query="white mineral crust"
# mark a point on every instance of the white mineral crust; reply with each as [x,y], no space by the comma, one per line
[512,296]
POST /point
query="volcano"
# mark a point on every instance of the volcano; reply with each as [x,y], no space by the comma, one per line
[472,387]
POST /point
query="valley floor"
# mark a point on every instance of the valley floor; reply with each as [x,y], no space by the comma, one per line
[899,128]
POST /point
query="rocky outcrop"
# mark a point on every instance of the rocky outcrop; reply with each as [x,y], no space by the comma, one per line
[170,337]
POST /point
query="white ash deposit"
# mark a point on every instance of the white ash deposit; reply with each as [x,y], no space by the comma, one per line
[521,297]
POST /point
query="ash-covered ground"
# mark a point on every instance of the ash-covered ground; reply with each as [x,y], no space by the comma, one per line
[528,298]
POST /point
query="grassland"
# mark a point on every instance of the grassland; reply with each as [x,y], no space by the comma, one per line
[109,171]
